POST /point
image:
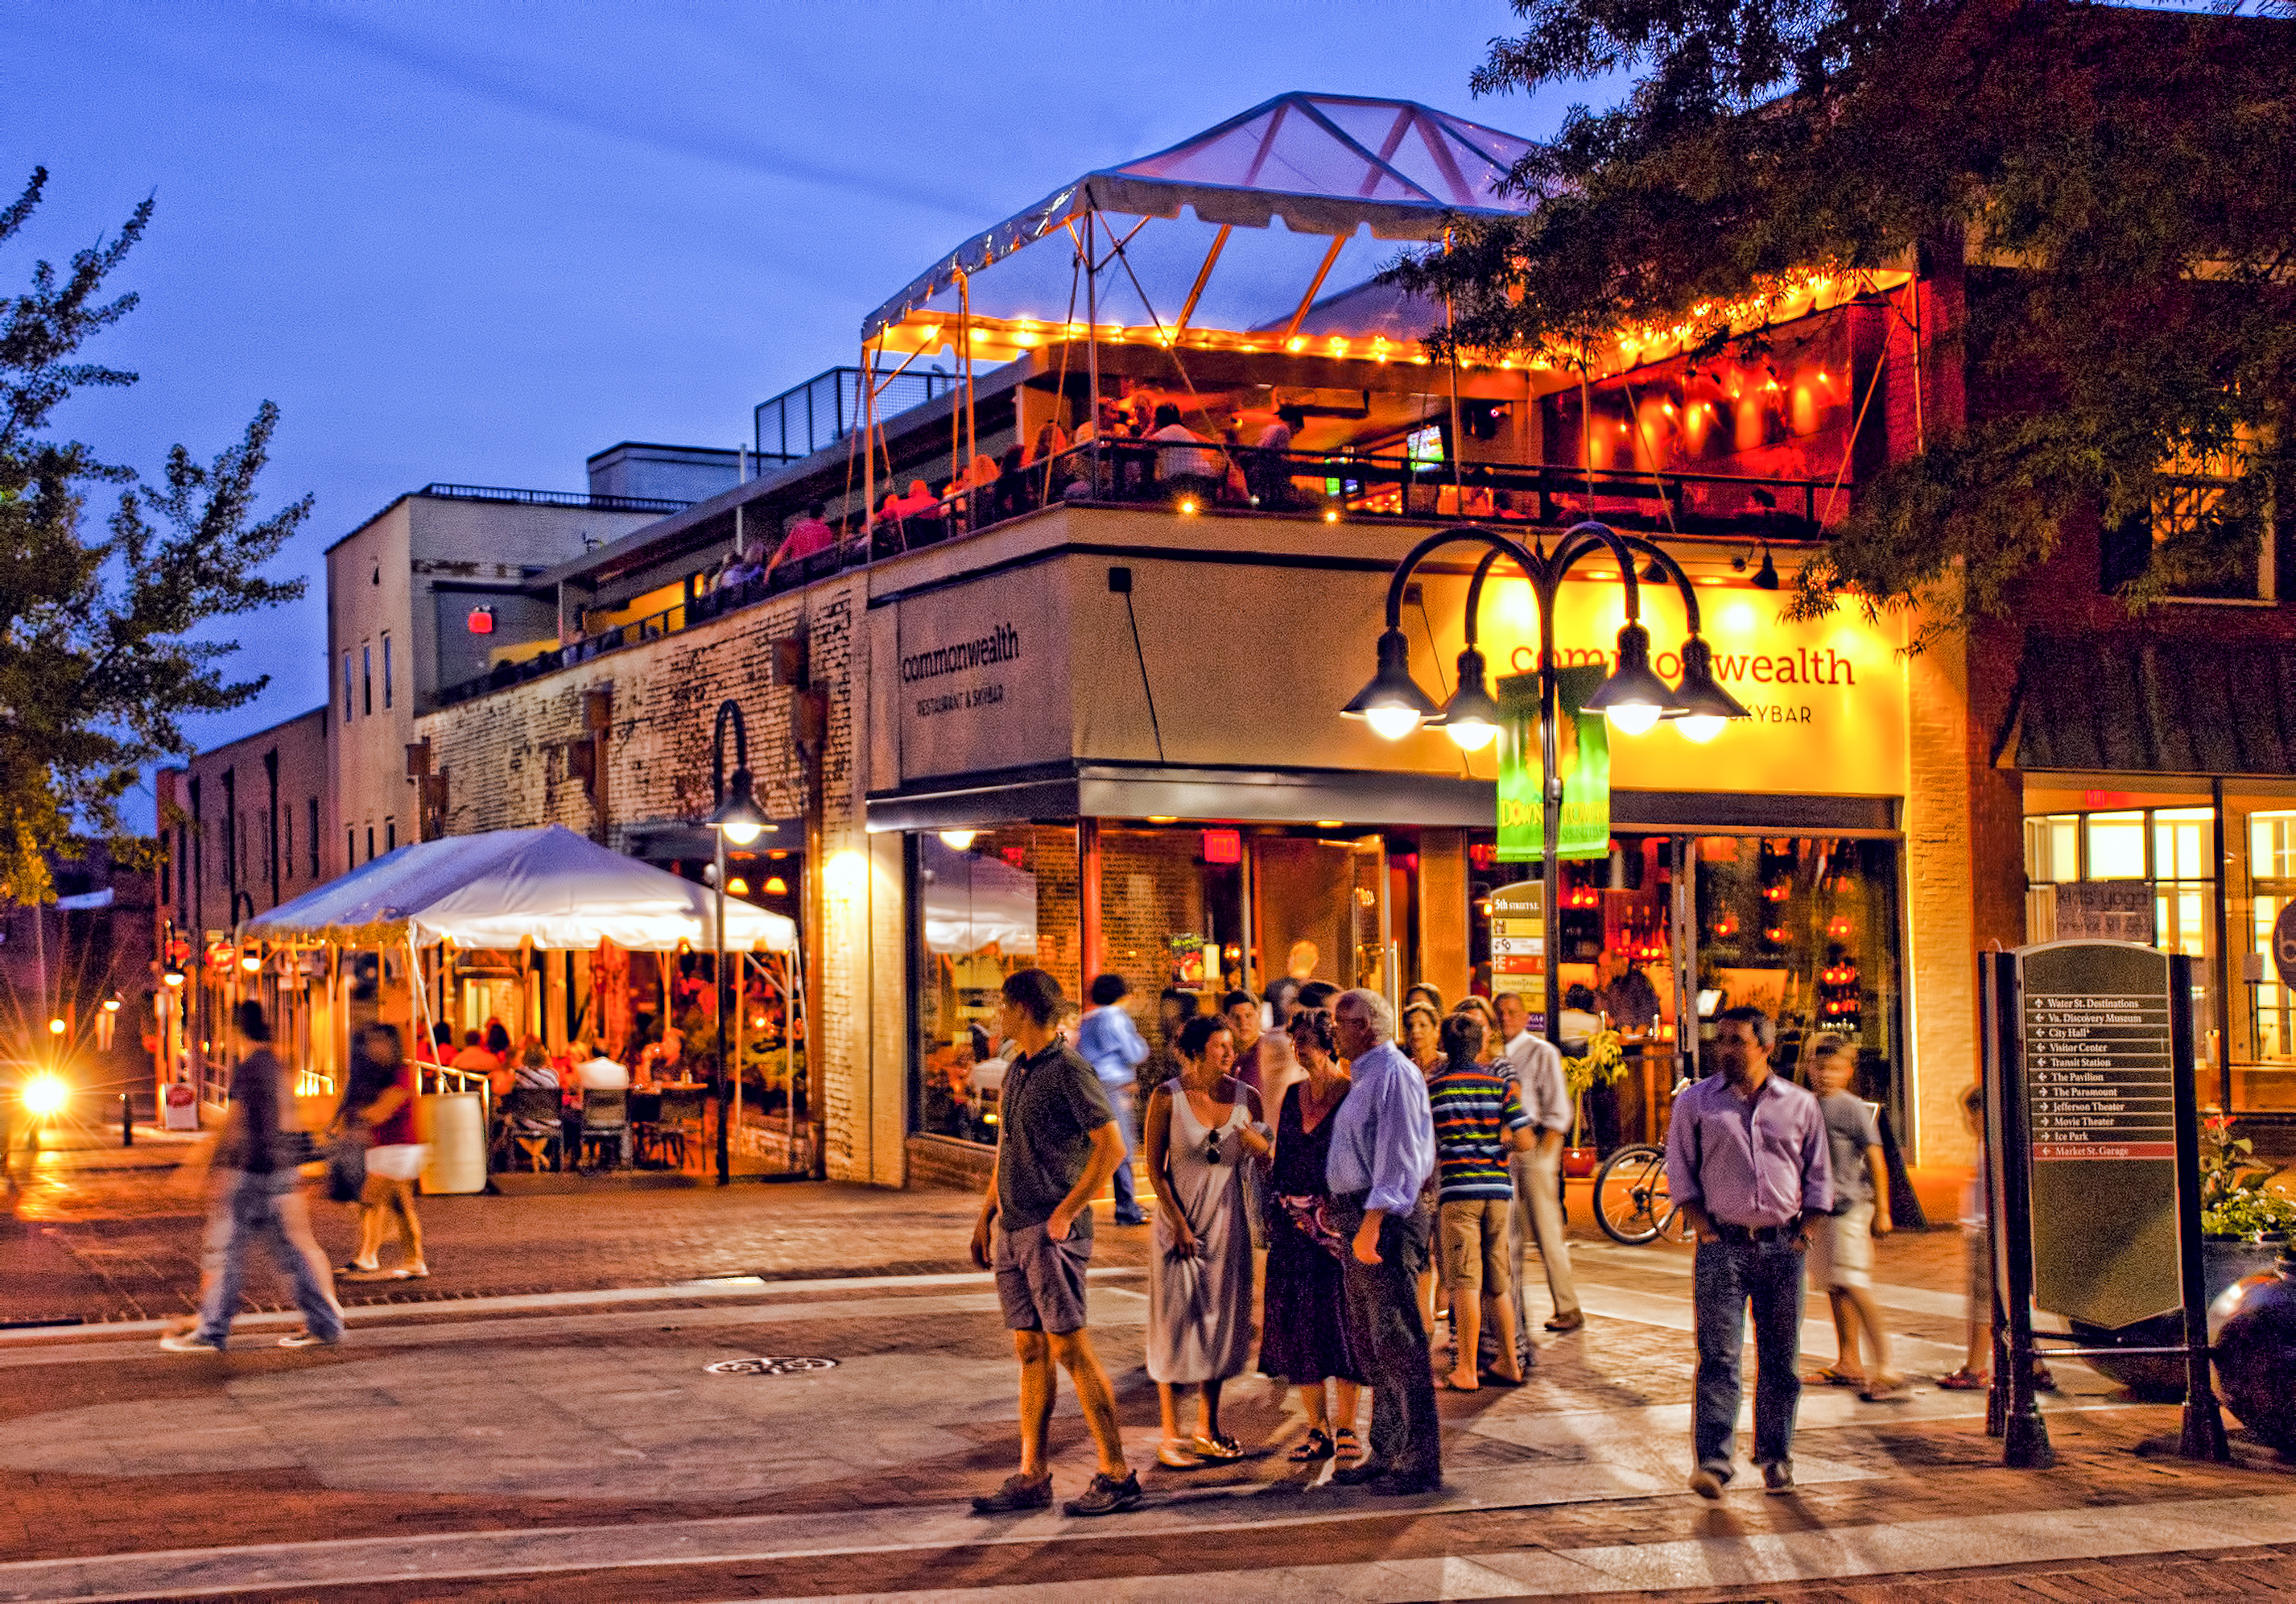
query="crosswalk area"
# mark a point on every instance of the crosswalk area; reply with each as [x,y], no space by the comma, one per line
[854,1476]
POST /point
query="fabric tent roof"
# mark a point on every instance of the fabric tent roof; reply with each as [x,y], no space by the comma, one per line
[1326,164]
[499,889]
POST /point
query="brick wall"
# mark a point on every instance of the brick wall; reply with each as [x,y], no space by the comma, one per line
[504,755]
[1150,888]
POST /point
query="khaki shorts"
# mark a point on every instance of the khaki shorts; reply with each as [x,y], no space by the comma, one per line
[1040,1282]
[1474,1233]
[1841,1249]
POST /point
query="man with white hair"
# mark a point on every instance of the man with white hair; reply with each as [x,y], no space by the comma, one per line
[1382,1152]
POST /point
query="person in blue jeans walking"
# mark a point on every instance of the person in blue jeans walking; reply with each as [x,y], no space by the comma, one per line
[1109,1041]
[1746,1159]
[255,1192]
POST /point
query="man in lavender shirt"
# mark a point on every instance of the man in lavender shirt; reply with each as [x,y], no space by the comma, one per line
[1746,1161]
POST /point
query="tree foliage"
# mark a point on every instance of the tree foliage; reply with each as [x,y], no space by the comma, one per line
[98,660]
[2115,180]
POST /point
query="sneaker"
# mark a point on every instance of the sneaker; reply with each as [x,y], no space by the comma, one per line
[189,1342]
[1362,1472]
[1018,1494]
[308,1338]
[1106,1495]
[1707,1483]
[1777,1476]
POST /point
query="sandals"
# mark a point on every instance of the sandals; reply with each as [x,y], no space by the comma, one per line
[1215,1451]
[1174,1455]
[1833,1375]
[1346,1447]
[1964,1380]
[1314,1449]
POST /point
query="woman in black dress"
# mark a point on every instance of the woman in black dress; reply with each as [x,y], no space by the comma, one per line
[1303,1336]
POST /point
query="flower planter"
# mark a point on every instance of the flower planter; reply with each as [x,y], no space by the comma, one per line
[1579,1163]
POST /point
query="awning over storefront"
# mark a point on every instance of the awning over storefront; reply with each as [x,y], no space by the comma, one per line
[506,887]
[2107,705]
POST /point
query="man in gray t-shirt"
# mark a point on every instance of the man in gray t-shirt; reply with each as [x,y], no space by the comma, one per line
[1057,1145]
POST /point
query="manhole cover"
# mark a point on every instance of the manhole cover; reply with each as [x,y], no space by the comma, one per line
[770,1365]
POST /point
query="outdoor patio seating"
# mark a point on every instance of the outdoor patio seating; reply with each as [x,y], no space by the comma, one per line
[605,1123]
[530,1125]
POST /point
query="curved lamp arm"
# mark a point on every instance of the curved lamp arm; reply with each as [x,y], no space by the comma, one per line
[727,710]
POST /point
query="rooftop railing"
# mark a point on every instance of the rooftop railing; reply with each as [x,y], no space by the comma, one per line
[578,499]
[1189,478]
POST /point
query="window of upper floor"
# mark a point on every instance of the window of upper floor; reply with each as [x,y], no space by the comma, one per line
[2194,508]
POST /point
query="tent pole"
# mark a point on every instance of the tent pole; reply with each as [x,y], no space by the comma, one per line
[1339,243]
[964,340]
[1458,437]
[1203,277]
[1092,345]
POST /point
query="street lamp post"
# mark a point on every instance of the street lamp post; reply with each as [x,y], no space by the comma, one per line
[1633,697]
[734,815]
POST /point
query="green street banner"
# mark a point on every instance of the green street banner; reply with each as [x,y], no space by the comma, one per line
[1583,753]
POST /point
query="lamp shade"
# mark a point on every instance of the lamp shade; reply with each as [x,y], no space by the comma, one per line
[737,812]
[1470,718]
[1392,704]
[1701,705]
[1634,697]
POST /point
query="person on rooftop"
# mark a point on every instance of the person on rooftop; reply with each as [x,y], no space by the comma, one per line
[1186,468]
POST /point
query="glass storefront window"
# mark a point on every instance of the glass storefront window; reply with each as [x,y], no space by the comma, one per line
[2260,825]
[2116,846]
[1005,902]
[1807,929]
[2053,847]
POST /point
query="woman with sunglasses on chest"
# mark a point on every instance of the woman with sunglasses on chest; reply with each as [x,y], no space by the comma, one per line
[1203,1128]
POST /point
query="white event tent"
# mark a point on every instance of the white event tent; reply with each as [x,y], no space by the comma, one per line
[506,888]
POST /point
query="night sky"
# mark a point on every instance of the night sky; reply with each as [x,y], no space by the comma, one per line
[477,243]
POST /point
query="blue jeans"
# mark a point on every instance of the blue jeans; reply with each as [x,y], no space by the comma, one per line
[1119,1103]
[268,1208]
[1729,1276]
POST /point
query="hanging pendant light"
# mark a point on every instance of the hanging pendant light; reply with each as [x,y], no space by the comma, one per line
[1701,706]
[1392,704]
[1634,698]
[1766,577]
[1470,718]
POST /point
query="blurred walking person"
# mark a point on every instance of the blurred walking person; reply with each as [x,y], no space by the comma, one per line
[1109,1041]
[1303,1338]
[1538,1216]
[256,1194]
[379,1102]
[1201,1126]
[1746,1161]
[1383,1151]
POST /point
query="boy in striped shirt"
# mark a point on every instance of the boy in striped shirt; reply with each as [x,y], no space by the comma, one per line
[1479,1123]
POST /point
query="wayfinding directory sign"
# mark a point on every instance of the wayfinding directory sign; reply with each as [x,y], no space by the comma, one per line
[2100,1085]
[1518,915]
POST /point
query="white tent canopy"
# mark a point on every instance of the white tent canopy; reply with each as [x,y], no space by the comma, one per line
[974,903]
[508,887]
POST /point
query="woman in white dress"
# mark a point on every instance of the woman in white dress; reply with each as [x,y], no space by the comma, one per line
[1202,1131]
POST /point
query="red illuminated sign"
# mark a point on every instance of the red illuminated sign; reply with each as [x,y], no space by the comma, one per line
[481,621]
[1223,846]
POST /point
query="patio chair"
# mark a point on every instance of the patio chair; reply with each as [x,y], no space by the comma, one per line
[605,1122]
[645,1121]
[531,1126]
[680,1115]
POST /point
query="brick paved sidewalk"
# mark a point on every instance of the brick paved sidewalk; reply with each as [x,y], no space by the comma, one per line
[100,1235]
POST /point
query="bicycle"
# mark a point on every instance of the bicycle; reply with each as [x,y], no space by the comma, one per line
[1631,1204]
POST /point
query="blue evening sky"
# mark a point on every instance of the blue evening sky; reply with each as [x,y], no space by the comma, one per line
[476,243]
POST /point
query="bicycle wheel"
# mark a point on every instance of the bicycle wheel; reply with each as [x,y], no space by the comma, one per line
[1630,1197]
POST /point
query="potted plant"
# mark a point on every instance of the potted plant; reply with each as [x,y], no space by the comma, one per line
[1604,1062]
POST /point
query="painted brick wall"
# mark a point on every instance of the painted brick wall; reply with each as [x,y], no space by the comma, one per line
[505,756]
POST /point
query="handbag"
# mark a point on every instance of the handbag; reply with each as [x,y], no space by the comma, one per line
[347,1167]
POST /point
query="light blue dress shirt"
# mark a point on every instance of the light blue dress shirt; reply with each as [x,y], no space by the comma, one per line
[1109,1041]
[1383,1133]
